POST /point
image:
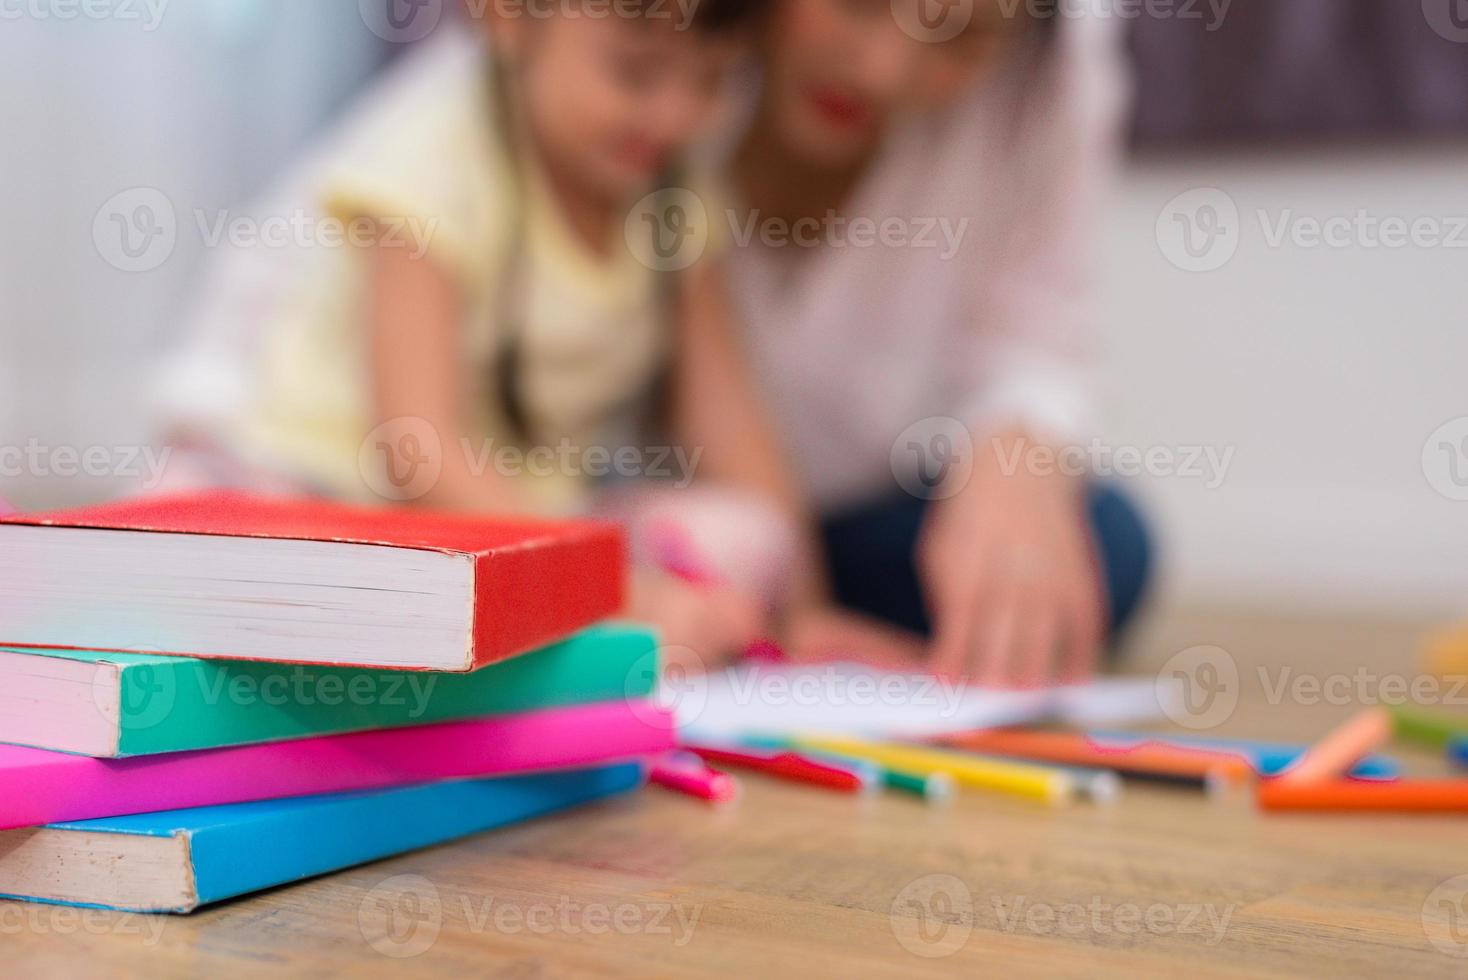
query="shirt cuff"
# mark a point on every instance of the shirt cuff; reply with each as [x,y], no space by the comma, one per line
[1052,404]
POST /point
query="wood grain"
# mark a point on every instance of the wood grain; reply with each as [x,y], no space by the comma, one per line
[797,882]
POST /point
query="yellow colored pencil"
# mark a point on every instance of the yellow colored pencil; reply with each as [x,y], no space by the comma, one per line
[1015,778]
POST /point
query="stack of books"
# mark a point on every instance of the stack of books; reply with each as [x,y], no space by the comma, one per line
[202,697]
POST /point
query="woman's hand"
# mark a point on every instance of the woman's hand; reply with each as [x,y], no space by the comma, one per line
[1010,572]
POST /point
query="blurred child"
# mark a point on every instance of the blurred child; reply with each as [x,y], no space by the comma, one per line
[488,298]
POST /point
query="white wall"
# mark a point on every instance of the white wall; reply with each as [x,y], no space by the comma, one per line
[205,104]
[1326,369]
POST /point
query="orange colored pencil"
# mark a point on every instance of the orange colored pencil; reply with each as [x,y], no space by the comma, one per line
[1147,759]
[1400,796]
[1335,754]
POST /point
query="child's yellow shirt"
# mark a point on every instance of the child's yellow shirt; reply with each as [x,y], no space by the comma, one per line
[425,160]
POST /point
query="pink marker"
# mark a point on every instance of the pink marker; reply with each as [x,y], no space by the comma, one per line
[675,553]
[765,652]
[673,772]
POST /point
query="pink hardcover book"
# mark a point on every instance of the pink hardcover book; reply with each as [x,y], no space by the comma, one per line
[39,787]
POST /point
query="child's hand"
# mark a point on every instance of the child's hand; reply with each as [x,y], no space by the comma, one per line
[702,627]
[1010,572]
[828,633]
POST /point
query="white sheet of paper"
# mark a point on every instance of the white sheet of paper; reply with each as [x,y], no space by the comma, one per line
[852,699]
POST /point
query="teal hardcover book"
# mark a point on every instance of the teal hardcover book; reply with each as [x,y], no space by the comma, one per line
[116,705]
[179,860]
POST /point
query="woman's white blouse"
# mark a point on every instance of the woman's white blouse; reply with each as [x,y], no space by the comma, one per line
[967,290]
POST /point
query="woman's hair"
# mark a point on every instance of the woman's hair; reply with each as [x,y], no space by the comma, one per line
[720,16]
[1047,16]
[708,16]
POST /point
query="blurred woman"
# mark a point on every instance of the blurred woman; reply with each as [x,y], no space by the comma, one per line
[916,190]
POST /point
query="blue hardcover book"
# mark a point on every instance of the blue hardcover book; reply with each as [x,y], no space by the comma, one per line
[180,860]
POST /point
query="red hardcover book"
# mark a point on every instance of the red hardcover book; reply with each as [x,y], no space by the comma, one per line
[245,578]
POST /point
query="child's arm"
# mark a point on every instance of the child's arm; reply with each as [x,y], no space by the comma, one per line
[717,411]
[417,356]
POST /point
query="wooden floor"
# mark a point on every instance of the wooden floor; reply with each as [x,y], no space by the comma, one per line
[797,882]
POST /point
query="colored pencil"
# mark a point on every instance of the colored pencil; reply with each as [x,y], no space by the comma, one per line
[1342,795]
[1334,755]
[1097,785]
[1003,776]
[937,787]
[1150,761]
[789,765]
[934,787]
[1267,758]
[1428,728]
[1446,653]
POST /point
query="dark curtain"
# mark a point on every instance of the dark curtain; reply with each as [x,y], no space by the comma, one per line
[1301,70]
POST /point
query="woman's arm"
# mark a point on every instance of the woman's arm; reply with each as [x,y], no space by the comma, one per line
[1008,561]
[415,322]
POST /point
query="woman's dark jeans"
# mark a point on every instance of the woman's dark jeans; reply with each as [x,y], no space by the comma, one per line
[871,558]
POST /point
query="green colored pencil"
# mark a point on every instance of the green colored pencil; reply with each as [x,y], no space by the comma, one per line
[1425,727]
